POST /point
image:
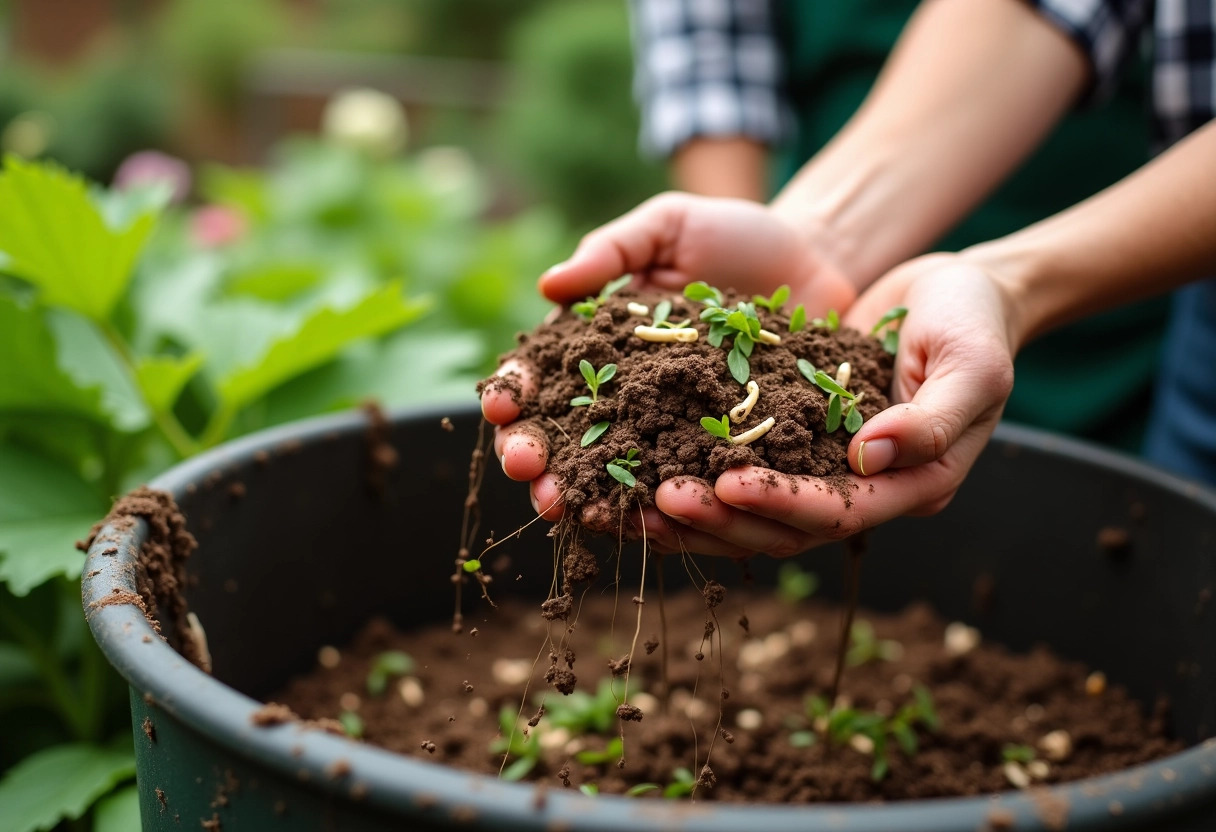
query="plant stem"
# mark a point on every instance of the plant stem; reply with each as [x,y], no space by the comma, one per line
[52,674]
[176,435]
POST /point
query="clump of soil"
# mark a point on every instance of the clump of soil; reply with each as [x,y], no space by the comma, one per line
[741,712]
[661,391]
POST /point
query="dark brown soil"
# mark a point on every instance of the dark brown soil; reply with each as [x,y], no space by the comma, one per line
[760,676]
[660,392]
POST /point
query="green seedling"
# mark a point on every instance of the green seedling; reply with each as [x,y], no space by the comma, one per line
[1017,754]
[802,739]
[472,565]
[595,379]
[641,789]
[620,468]
[662,310]
[589,789]
[741,324]
[389,664]
[836,411]
[703,292]
[682,784]
[890,338]
[351,724]
[773,304]
[582,713]
[593,433]
[798,319]
[514,743]
[795,584]
[831,323]
[845,723]
[586,308]
[717,427]
[866,647]
[613,751]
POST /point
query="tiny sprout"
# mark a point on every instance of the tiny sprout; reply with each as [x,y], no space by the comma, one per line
[513,743]
[619,468]
[773,304]
[392,663]
[589,789]
[890,338]
[794,583]
[1017,753]
[587,307]
[594,378]
[593,433]
[681,785]
[613,751]
[472,565]
[662,310]
[831,323]
[798,319]
[702,291]
[717,427]
[851,416]
[352,724]
[866,647]
[641,789]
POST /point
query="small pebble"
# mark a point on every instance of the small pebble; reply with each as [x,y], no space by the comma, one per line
[1057,745]
[1016,775]
[329,657]
[961,639]
[1035,712]
[1038,769]
[1095,683]
[749,719]
[861,744]
[411,693]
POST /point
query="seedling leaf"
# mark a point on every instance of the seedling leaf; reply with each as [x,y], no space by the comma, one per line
[895,314]
[585,308]
[472,565]
[798,319]
[773,304]
[589,374]
[853,419]
[1017,753]
[593,433]
[642,788]
[621,475]
[352,724]
[589,789]
[605,374]
[580,401]
[614,286]
[719,428]
[661,310]
[833,420]
[702,291]
[794,583]
[739,367]
[807,369]
[519,769]
[829,385]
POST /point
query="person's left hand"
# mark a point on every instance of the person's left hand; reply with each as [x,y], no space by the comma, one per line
[953,374]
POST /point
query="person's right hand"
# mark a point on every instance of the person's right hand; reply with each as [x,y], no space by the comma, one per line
[666,242]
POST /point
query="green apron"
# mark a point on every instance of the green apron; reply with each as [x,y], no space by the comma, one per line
[1091,379]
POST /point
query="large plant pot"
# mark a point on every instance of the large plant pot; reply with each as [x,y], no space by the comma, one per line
[311,551]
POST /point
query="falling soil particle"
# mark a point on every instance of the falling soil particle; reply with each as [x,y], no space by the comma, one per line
[446,424]
[660,393]
[629,713]
[149,729]
[213,825]
[164,801]
[650,645]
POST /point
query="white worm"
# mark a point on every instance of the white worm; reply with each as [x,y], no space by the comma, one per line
[766,337]
[741,411]
[844,374]
[639,309]
[747,437]
[662,335]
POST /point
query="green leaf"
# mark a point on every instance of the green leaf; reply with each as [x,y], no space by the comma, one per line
[802,739]
[829,385]
[519,769]
[580,401]
[118,811]
[621,475]
[324,334]
[794,583]
[905,736]
[352,724]
[589,789]
[924,705]
[585,309]
[738,321]
[745,344]
[605,374]
[614,286]
[779,298]
[719,428]
[798,319]
[593,433]
[833,420]
[661,310]
[397,663]
[472,565]
[90,360]
[588,372]
[717,331]
[275,281]
[890,341]
[702,291]
[162,377]
[1017,753]
[852,419]
[894,314]
[59,782]
[641,788]
[739,368]
[58,240]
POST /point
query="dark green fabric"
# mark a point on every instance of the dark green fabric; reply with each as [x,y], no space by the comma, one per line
[1091,379]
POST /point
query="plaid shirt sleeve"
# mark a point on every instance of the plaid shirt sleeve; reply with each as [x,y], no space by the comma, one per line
[709,68]
[1108,31]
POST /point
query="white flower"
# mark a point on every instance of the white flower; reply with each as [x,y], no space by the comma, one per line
[367,120]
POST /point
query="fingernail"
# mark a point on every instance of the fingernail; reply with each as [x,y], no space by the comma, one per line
[503,460]
[553,268]
[680,519]
[875,455]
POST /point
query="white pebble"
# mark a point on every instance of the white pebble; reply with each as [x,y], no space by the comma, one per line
[749,719]
[1016,775]
[753,655]
[554,738]
[1057,745]
[776,645]
[410,690]
[649,704]
[861,744]
[1038,769]
[961,639]
[639,309]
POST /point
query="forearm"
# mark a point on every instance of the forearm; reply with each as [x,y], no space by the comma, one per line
[1145,235]
[728,167]
[970,90]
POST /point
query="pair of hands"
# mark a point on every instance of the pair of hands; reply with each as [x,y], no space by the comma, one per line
[953,374]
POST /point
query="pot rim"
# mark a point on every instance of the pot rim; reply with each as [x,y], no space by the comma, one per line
[397,783]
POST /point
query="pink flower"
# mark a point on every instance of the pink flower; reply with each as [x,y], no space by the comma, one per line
[213,226]
[151,167]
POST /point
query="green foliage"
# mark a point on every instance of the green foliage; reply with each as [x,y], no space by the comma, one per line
[795,584]
[589,789]
[831,323]
[773,304]
[610,753]
[58,783]
[472,565]
[717,427]
[593,433]
[584,713]
[392,663]
[798,319]
[352,724]
[741,324]
[1017,753]
[866,647]
[842,724]
[662,310]
[586,308]
[620,469]
[836,411]
[890,338]
[595,379]
[682,784]
[514,743]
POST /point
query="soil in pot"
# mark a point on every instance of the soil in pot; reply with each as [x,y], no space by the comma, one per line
[737,709]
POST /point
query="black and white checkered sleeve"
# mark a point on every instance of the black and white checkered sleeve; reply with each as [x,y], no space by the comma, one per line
[1108,31]
[706,68]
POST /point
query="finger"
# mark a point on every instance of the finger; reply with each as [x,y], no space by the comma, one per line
[631,243]
[523,451]
[546,496]
[503,395]
[693,503]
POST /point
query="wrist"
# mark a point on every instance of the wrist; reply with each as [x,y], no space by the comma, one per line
[1018,272]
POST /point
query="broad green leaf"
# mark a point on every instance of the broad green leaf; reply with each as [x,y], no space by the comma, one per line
[593,433]
[584,367]
[275,281]
[798,319]
[118,811]
[662,310]
[739,368]
[163,377]
[34,382]
[518,769]
[833,419]
[807,369]
[702,291]
[91,362]
[319,339]
[615,286]
[580,401]
[44,509]
[719,428]
[828,384]
[605,374]
[853,419]
[57,239]
[236,188]
[894,314]
[59,782]
[621,475]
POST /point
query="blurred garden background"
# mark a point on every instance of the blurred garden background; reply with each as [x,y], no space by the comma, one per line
[218,215]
